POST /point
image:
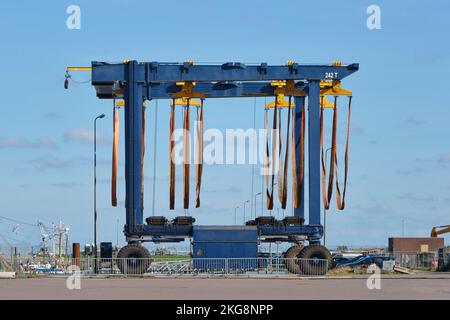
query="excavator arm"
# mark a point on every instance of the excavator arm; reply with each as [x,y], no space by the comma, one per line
[439,230]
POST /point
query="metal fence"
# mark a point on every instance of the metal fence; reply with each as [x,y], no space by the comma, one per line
[425,260]
[199,266]
[204,266]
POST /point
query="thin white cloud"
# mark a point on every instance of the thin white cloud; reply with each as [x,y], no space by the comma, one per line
[410,120]
[44,163]
[52,115]
[22,143]
[64,185]
[85,135]
[444,157]
[51,162]
[418,196]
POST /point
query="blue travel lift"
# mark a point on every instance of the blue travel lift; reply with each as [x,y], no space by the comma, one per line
[136,82]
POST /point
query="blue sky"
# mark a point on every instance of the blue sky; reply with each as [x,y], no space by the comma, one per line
[399,153]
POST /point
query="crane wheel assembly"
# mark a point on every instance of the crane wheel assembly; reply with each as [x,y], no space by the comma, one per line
[310,260]
[315,259]
[134,258]
[292,255]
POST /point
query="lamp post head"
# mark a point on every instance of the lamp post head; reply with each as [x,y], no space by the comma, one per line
[99,117]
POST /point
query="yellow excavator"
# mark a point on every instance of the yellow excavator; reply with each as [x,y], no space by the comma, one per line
[439,230]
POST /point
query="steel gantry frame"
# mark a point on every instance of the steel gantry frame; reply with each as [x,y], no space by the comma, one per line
[138,81]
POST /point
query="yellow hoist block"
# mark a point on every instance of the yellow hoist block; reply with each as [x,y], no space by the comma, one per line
[184,101]
[121,103]
[187,91]
[281,102]
[285,88]
[333,88]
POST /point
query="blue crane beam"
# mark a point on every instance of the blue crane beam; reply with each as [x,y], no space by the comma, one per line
[145,72]
[209,89]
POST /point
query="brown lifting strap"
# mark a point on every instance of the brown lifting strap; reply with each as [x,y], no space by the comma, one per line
[298,175]
[142,156]
[266,162]
[186,155]
[274,150]
[326,196]
[269,193]
[171,160]
[115,153]
[282,192]
[341,201]
[280,159]
[199,153]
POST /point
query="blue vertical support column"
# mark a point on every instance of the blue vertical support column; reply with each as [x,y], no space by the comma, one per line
[133,147]
[314,151]
[300,212]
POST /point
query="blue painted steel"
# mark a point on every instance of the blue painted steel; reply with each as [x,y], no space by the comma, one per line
[210,90]
[157,81]
[298,123]
[171,231]
[214,243]
[106,73]
[314,152]
[168,231]
[133,147]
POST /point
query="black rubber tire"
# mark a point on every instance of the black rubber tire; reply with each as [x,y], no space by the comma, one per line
[250,223]
[133,259]
[291,256]
[312,265]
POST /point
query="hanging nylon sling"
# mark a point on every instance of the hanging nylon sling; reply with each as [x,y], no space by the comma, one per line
[142,156]
[298,174]
[282,180]
[266,160]
[286,157]
[199,153]
[186,155]
[171,160]
[326,196]
[280,159]
[341,201]
[274,151]
[115,153]
[269,193]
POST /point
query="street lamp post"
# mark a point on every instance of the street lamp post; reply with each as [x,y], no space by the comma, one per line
[235,214]
[95,191]
[259,193]
[247,201]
